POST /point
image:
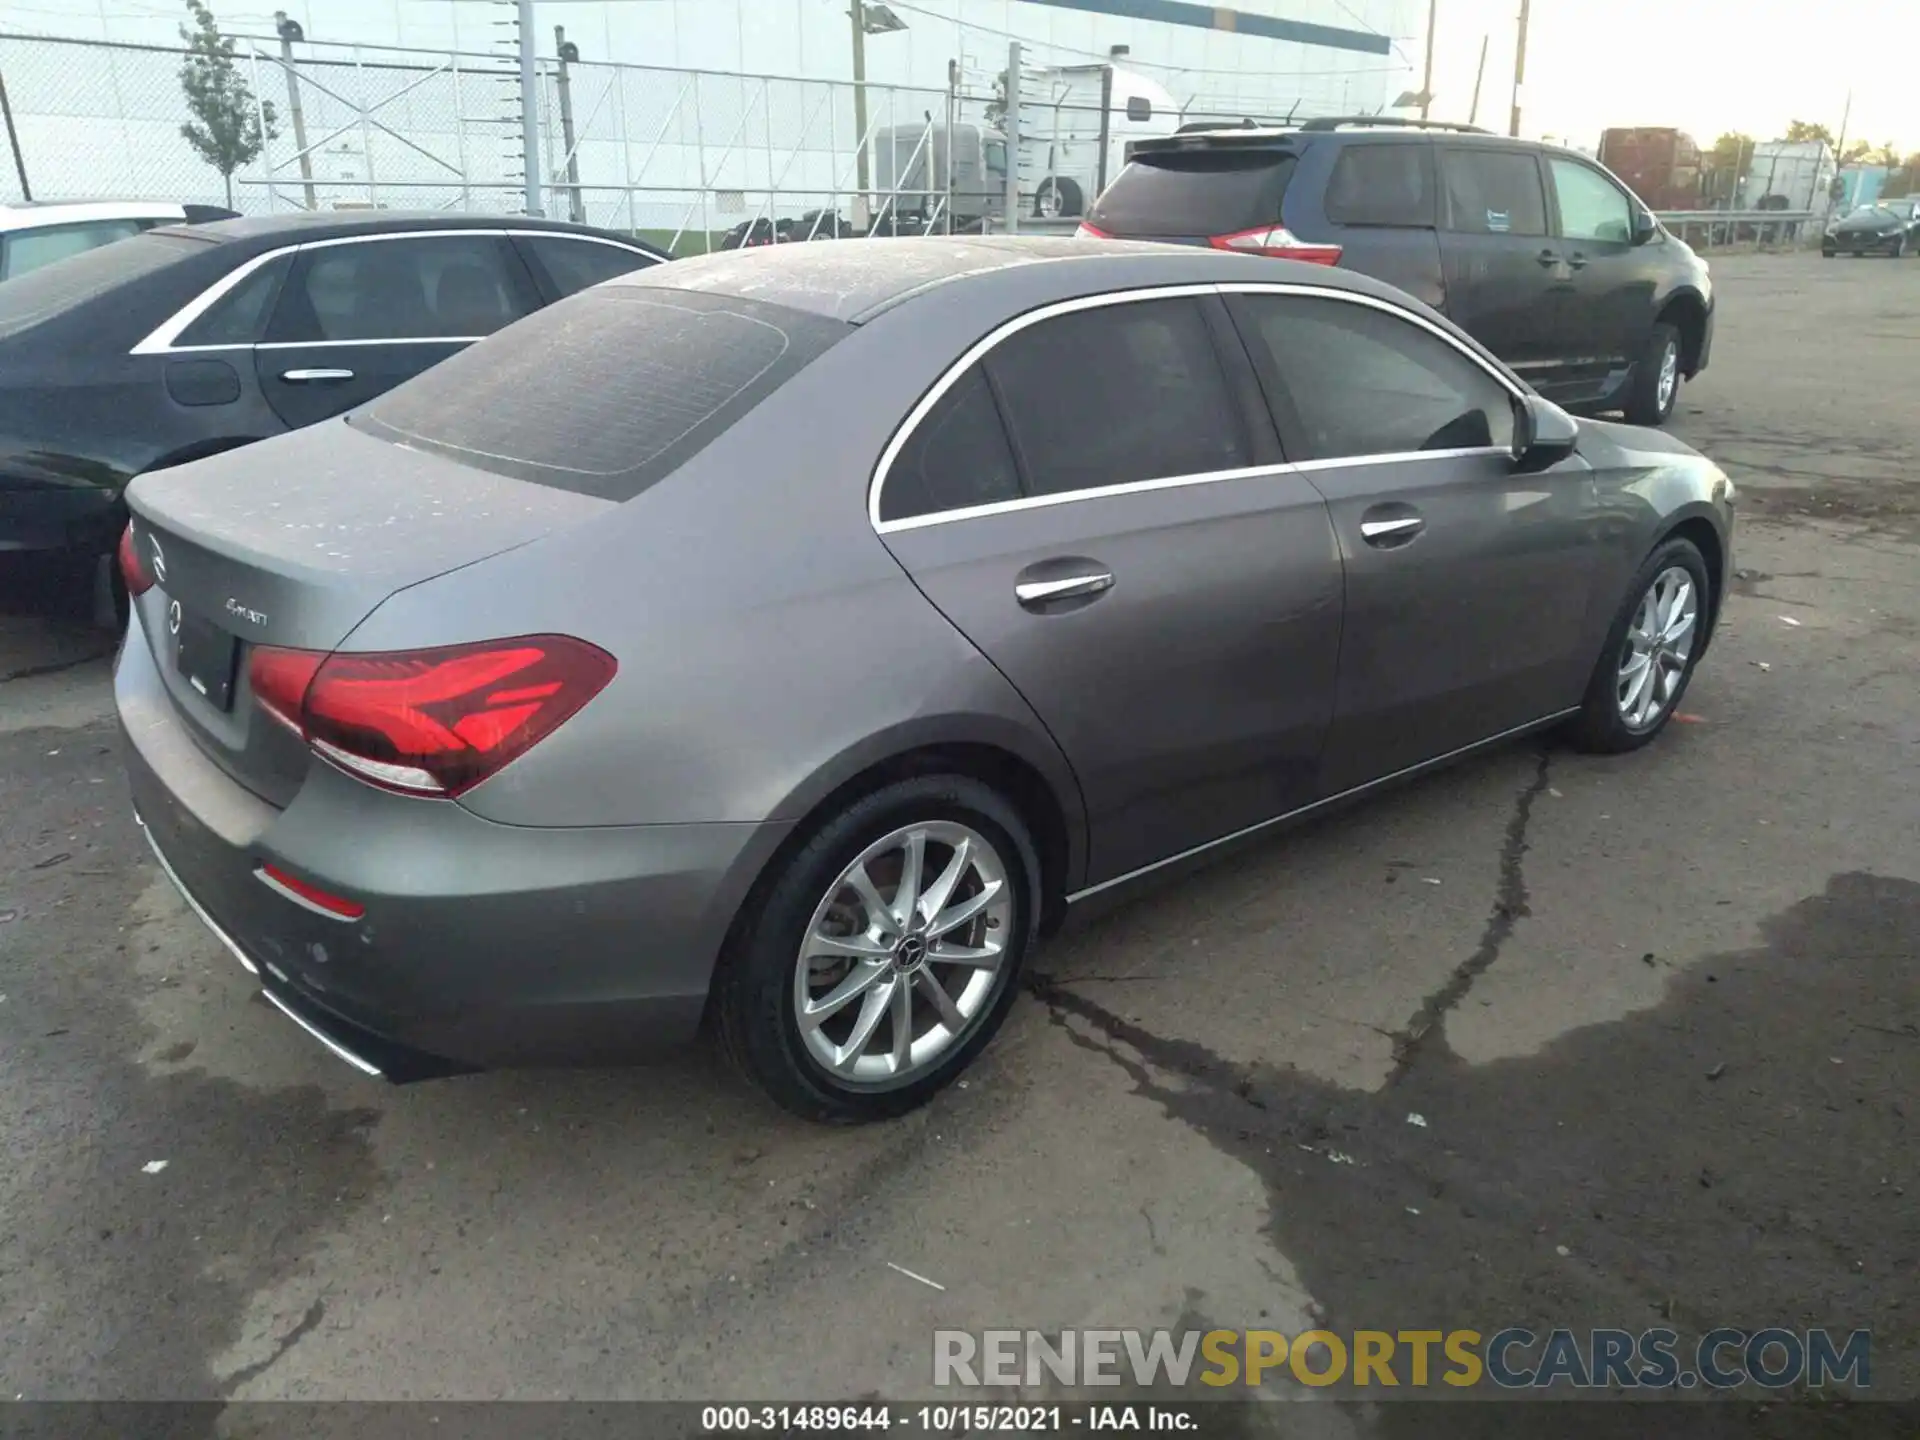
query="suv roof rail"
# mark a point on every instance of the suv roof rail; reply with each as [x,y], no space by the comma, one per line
[1334,122]
[1245,123]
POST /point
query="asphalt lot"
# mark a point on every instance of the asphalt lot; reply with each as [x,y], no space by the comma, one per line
[1660,1015]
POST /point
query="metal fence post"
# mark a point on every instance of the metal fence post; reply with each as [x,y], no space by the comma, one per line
[260,114]
[1011,125]
[529,114]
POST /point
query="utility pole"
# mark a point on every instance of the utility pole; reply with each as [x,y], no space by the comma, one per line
[858,11]
[1839,149]
[563,83]
[1010,123]
[289,31]
[1519,70]
[1473,117]
[529,107]
[1426,79]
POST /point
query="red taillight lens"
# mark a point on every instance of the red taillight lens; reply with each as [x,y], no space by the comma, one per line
[430,722]
[133,572]
[1090,232]
[1277,240]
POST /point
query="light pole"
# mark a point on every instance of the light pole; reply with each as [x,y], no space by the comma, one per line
[289,31]
[869,18]
[1519,70]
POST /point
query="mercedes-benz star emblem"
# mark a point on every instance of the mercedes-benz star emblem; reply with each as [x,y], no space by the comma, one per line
[173,618]
[159,560]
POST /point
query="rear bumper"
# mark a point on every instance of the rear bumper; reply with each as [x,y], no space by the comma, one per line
[482,945]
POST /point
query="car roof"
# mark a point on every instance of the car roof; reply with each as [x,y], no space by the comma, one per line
[1225,134]
[31,214]
[306,225]
[857,280]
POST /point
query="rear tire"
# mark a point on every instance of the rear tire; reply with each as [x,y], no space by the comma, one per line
[1615,715]
[1057,198]
[1655,387]
[807,938]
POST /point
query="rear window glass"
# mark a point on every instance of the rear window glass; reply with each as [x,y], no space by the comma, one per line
[54,289]
[604,393]
[1194,192]
[1378,184]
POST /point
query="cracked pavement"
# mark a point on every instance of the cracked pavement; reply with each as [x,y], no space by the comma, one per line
[1659,1013]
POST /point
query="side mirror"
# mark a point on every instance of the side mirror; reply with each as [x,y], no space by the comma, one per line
[1645,227]
[1139,108]
[1543,434]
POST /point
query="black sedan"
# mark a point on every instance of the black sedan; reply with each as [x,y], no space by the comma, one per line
[194,339]
[1890,228]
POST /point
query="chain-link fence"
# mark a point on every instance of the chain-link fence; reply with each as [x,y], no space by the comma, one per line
[690,159]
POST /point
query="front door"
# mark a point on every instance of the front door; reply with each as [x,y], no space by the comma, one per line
[358,316]
[1125,550]
[1610,299]
[1467,583]
[1505,276]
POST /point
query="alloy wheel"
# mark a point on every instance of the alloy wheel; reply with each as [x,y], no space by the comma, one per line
[1659,643]
[1669,375]
[903,955]
[1049,204]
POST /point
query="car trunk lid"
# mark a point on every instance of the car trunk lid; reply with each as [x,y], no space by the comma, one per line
[291,543]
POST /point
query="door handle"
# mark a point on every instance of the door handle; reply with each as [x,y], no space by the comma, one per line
[1577,260]
[1391,532]
[310,377]
[1548,257]
[1036,592]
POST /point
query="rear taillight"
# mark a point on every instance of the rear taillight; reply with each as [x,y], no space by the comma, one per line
[1090,232]
[430,722]
[1279,241]
[133,571]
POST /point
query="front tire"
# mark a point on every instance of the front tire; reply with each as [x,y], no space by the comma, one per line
[1656,378]
[879,959]
[1651,649]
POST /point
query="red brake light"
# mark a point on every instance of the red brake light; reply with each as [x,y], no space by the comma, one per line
[430,722]
[1279,241]
[133,571]
[1090,232]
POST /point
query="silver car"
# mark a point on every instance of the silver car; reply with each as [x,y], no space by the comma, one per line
[792,636]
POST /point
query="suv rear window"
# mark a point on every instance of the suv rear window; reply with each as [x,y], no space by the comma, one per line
[54,289]
[604,393]
[1194,192]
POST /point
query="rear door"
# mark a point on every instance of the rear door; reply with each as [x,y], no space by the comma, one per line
[1504,274]
[1382,208]
[1128,553]
[358,316]
[1467,583]
[1608,305]
[565,264]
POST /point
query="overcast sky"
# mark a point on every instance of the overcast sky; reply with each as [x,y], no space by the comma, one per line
[1703,65]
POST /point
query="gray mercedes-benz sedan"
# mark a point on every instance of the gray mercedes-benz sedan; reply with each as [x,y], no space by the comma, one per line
[791,636]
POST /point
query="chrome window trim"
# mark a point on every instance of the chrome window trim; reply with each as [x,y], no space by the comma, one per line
[160,341]
[1014,326]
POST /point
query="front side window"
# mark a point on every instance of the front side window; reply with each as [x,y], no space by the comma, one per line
[1366,382]
[30,249]
[1117,394]
[956,458]
[1592,207]
[439,287]
[1493,192]
[1381,184]
[574,265]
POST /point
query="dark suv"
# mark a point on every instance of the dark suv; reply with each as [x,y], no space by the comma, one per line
[1538,252]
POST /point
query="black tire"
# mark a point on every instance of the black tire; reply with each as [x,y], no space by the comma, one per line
[1066,192]
[1645,405]
[1600,728]
[753,990]
[1900,248]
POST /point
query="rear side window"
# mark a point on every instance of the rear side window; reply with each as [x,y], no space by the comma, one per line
[1493,192]
[27,250]
[239,317]
[957,457]
[54,289]
[1381,184]
[575,265]
[438,287]
[1194,192]
[1109,396]
[604,393]
[1364,382]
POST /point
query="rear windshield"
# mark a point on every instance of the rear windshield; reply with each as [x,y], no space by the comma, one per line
[606,392]
[51,290]
[1194,192]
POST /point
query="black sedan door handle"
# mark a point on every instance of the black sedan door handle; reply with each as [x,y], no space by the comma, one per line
[1548,257]
[1066,587]
[1390,530]
[314,377]
[1577,260]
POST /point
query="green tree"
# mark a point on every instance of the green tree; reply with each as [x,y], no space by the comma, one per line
[1731,154]
[1799,131]
[229,128]
[1905,180]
